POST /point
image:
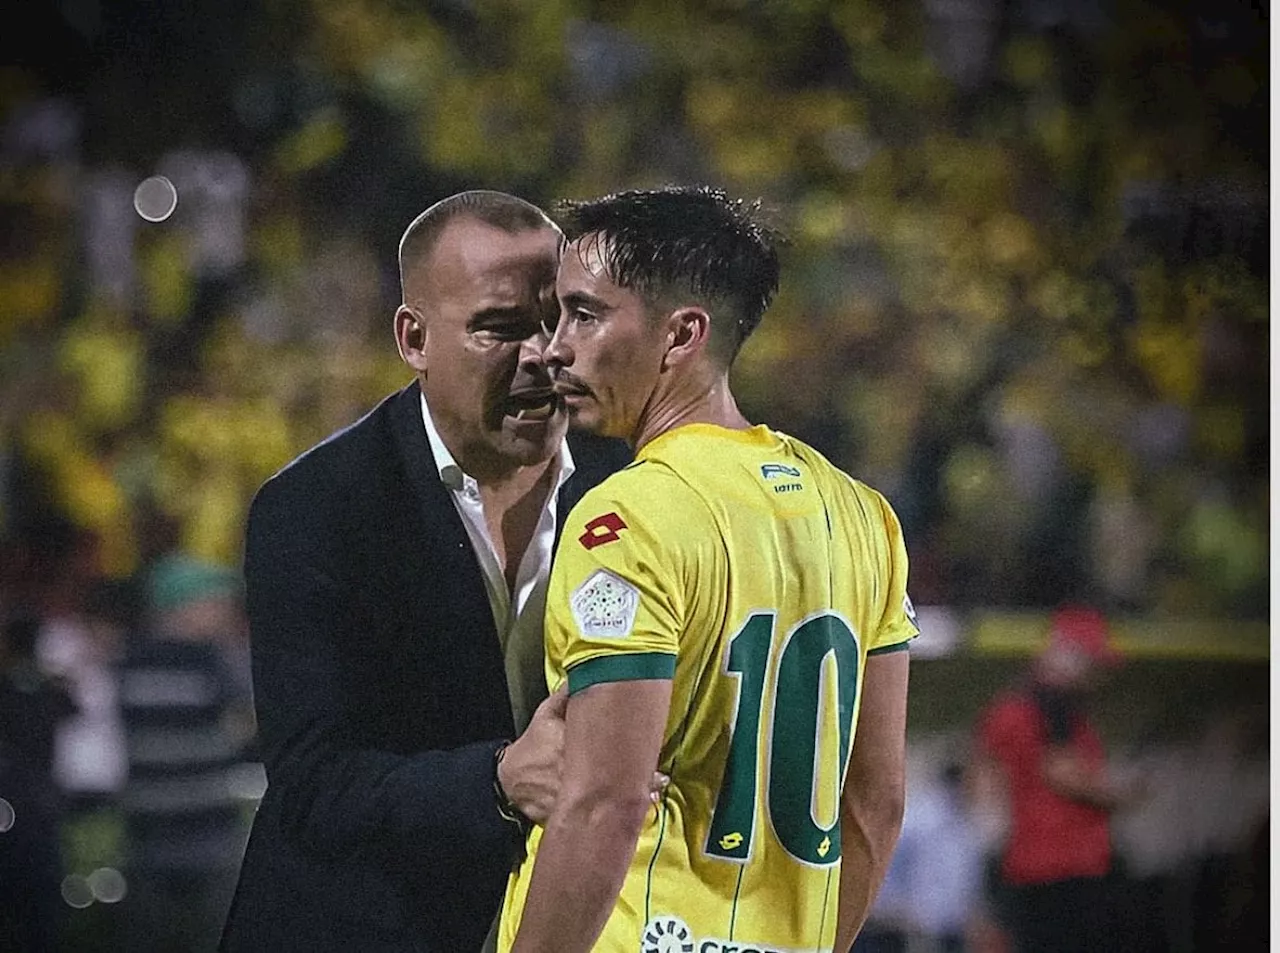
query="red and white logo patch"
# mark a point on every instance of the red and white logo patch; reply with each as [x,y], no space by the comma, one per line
[601,530]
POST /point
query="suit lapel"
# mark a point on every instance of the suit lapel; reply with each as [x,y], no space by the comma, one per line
[452,561]
[594,459]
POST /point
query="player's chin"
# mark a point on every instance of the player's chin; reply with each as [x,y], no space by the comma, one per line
[585,416]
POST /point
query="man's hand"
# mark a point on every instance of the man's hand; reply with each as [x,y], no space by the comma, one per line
[530,770]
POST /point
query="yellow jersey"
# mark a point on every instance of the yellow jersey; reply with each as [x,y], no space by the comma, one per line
[758,576]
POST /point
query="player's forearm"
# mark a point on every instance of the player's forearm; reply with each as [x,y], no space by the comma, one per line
[874,795]
[581,863]
[869,833]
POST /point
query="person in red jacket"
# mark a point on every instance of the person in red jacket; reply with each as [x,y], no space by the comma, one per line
[1060,796]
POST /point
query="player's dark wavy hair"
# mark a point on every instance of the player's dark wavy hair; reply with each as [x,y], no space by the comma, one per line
[681,242]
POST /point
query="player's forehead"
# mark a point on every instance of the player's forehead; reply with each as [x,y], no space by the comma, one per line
[585,269]
[588,255]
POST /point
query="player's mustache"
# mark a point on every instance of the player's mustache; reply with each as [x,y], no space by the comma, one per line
[566,383]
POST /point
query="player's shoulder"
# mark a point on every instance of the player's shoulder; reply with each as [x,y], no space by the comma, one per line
[867,496]
[649,492]
[639,481]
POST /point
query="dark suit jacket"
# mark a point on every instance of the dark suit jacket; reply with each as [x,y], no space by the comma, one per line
[381,699]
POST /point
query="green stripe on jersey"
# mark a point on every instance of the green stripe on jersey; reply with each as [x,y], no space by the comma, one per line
[621,668]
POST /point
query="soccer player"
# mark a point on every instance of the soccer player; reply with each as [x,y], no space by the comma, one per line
[731,607]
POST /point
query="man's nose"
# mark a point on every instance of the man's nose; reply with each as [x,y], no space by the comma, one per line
[556,351]
[533,350]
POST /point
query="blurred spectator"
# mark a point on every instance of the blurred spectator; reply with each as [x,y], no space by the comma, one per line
[32,704]
[185,818]
[31,707]
[1188,849]
[944,858]
[932,898]
[1053,875]
[1229,794]
[110,224]
[79,643]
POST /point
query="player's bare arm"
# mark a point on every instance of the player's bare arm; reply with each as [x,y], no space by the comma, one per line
[529,771]
[874,793]
[613,735]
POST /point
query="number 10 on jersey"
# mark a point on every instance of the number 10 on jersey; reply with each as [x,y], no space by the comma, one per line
[791,747]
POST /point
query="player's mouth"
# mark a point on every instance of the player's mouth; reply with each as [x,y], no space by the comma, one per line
[569,390]
[532,406]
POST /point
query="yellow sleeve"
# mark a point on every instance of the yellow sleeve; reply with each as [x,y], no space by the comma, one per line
[618,598]
[898,622]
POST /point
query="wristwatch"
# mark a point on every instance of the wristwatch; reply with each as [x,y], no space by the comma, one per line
[506,808]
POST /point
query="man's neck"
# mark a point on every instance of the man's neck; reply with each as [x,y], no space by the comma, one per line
[512,507]
[515,483]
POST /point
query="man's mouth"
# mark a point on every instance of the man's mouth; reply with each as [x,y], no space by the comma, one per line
[532,405]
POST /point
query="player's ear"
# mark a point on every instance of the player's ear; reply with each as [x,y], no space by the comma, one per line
[411,337]
[688,332]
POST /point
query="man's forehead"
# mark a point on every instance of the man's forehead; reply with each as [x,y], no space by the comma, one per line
[488,248]
[476,253]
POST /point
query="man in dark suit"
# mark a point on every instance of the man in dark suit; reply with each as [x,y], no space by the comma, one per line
[395,578]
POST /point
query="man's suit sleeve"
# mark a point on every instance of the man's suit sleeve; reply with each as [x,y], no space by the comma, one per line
[335,794]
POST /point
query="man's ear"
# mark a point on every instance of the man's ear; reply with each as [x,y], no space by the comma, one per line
[688,333]
[411,337]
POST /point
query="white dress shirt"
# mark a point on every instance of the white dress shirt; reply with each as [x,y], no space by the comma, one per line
[518,613]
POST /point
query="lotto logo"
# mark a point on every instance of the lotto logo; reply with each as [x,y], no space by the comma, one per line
[731,841]
[601,530]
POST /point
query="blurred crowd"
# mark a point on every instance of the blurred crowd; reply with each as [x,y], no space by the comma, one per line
[1190,874]
[1026,293]
[127,767]
[1025,296]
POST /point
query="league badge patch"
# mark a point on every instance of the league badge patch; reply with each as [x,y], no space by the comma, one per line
[604,607]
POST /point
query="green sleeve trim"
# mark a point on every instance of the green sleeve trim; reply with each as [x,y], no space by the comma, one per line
[886,649]
[621,668]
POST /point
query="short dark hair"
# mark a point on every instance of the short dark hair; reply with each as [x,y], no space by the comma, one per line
[499,209]
[685,240]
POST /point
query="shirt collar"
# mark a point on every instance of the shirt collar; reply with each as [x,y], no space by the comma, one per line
[453,476]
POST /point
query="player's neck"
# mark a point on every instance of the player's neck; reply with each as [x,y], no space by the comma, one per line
[677,406]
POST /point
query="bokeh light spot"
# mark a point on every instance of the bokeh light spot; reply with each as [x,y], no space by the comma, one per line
[76,891]
[155,198]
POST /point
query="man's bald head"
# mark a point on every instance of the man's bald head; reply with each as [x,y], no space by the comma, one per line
[497,209]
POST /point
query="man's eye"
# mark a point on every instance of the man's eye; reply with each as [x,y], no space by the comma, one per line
[506,332]
[582,316]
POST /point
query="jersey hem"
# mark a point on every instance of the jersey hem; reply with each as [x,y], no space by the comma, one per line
[886,649]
